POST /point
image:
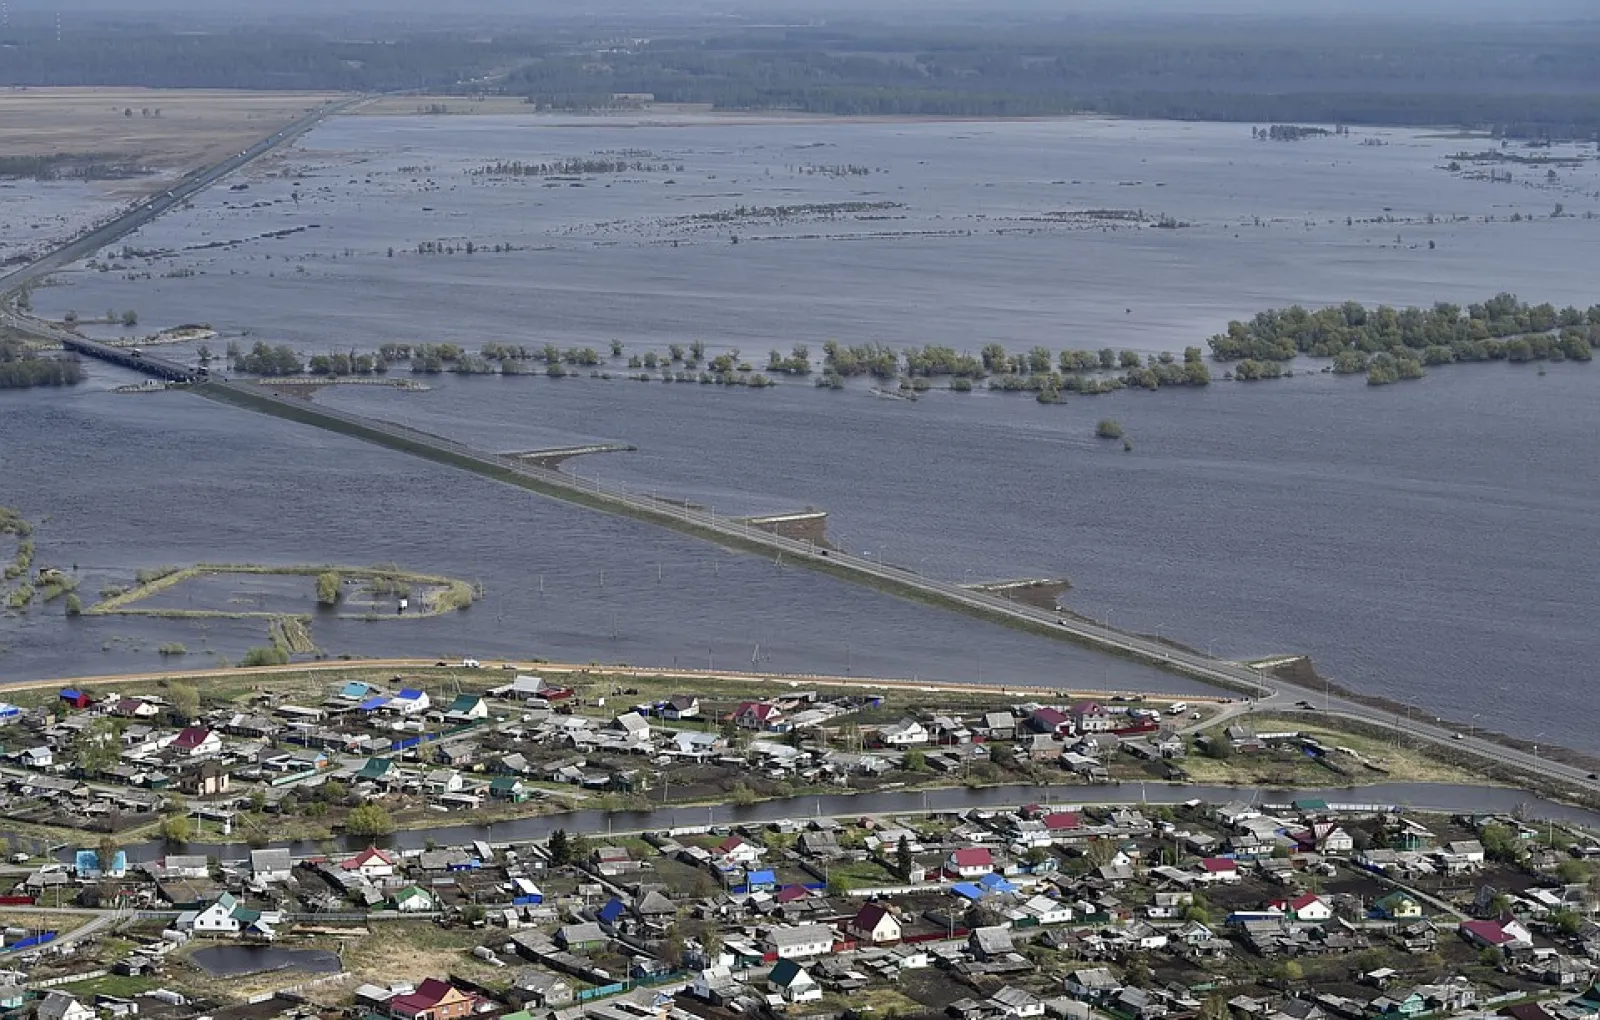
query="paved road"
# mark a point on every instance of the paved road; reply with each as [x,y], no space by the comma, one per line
[143,212]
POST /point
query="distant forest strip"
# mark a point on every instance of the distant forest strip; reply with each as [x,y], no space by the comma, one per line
[1518,80]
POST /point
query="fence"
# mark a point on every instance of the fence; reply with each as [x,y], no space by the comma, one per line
[67,979]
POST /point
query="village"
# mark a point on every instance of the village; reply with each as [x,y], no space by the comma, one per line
[1243,910]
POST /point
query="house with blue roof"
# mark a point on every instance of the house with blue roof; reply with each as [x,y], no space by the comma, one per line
[409,701]
[356,690]
[969,891]
[756,881]
[373,703]
[995,883]
[611,913]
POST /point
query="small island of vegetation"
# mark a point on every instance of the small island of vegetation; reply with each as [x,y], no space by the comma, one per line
[1390,344]
[22,367]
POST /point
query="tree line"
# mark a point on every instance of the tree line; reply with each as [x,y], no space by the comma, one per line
[1501,327]
[21,368]
[1393,345]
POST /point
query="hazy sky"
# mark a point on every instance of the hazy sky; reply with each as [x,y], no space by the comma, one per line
[433,11]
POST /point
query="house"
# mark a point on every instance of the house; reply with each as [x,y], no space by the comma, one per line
[1091,717]
[409,701]
[905,733]
[75,698]
[634,727]
[759,715]
[270,865]
[208,780]
[874,923]
[62,1006]
[1138,1003]
[38,758]
[581,936]
[1403,1004]
[797,942]
[1219,869]
[1308,907]
[413,899]
[1094,984]
[1058,823]
[990,943]
[433,1000]
[377,770]
[1506,933]
[1047,911]
[999,725]
[1397,906]
[970,862]
[219,917]
[681,706]
[735,850]
[1051,722]
[1332,839]
[196,742]
[790,980]
[184,866]
[132,708]
[543,988]
[467,708]
[655,906]
[1012,1001]
[370,863]
[509,788]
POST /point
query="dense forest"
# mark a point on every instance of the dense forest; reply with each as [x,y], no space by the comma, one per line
[1526,81]
[1532,80]
[21,368]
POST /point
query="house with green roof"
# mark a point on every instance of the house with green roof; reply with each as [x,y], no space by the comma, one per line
[413,898]
[467,708]
[377,770]
[509,788]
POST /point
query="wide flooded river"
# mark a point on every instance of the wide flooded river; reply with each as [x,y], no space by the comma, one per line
[1433,542]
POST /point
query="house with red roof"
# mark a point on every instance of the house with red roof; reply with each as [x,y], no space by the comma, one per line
[1092,717]
[1049,721]
[1504,933]
[737,850]
[875,923]
[760,715]
[433,1000]
[196,742]
[370,863]
[1219,869]
[1059,822]
[1306,907]
[970,862]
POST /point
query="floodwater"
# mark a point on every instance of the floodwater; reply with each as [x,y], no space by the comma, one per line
[237,961]
[148,480]
[1432,542]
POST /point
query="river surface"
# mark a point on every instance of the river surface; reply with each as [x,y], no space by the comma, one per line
[1433,542]
[1431,797]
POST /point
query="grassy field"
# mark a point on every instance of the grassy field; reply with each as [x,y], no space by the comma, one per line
[443,106]
[1401,764]
[61,923]
[196,127]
